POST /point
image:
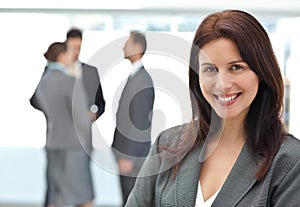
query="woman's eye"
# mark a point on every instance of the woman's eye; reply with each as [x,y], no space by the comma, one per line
[210,69]
[237,67]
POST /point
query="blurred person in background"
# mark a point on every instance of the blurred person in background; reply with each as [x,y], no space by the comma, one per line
[88,73]
[63,101]
[132,137]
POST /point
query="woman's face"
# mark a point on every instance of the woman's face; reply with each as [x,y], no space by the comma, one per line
[226,81]
[66,58]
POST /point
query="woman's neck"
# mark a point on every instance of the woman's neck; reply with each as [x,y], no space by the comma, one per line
[232,130]
[230,137]
[231,133]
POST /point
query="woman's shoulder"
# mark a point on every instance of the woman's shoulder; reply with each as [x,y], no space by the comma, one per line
[172,135]
[286,164]
[59,76]
[290,147]
[288,156]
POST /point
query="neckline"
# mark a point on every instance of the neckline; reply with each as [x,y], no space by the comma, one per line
[209,201]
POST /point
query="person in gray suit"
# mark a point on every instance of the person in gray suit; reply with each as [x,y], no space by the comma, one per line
[63,101]
[132,136]
[236,150]
[88,73]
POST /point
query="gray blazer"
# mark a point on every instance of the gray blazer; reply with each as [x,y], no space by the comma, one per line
[92,86]
[280,187]
[63,101]
[132,137]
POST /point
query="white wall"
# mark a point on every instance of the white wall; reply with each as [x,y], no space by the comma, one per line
[22,177]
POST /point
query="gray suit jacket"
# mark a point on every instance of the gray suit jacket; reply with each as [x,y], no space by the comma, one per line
[132,137]
[63,101]
[280,187]
[92,86]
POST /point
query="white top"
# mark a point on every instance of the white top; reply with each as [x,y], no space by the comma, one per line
[75,69]
[200,200]
[135,67]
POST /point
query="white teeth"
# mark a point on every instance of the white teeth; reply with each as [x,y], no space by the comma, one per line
[225,99]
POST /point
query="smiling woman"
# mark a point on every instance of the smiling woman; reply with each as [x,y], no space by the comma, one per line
[235,151]
[226,80]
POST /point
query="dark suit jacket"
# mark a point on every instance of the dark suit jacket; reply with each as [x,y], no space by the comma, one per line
[93,87]
[280,187]
[132,137]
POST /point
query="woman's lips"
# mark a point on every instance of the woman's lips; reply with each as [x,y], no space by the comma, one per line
[226,100]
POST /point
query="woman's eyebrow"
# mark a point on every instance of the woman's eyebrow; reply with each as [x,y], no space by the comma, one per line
[203,64]
[237,61]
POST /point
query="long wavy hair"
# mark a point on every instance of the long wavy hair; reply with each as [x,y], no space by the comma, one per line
[263,128]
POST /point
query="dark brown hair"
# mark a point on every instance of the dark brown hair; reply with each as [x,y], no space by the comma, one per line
[54,50]
[74,33]
[263,128]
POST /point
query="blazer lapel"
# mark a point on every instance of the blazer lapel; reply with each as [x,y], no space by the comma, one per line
[130,80]
[239,181]
[127,88]
[187,179]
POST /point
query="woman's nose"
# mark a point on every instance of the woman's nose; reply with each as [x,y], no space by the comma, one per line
[223,81]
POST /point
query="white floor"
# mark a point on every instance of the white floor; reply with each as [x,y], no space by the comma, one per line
[22,177]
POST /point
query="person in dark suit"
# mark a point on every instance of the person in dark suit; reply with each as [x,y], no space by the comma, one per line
[132,136]
[62,99]
[235,151]
[88,73]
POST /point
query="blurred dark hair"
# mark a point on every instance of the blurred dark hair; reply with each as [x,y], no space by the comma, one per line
[74,32]
[54,50]
[140,39]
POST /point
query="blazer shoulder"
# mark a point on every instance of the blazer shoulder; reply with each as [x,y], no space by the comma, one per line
[89,67]
[58,76]
[290,147]
[172,136]
[287,157]
[143,77]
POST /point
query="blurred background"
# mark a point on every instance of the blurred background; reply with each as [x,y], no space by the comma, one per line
[29,26]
